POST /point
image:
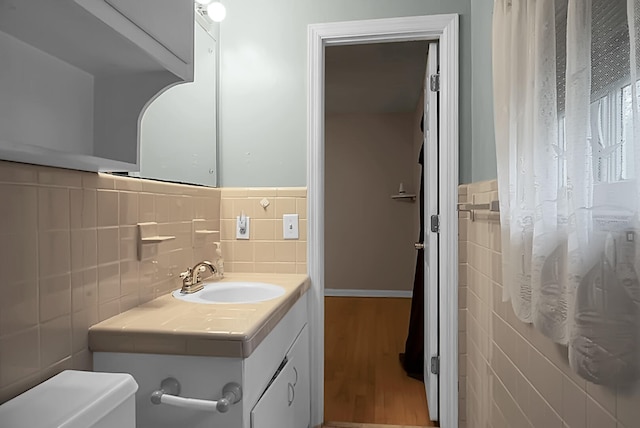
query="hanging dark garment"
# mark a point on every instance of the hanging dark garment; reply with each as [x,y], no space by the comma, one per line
[413,357]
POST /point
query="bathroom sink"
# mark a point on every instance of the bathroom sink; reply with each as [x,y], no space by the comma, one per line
[232,292]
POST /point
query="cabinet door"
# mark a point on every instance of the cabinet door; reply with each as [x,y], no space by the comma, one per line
[286,402]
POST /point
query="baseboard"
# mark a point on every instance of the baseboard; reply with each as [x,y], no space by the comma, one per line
[335,292]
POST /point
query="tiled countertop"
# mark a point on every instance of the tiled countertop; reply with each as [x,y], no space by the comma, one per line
[167,325]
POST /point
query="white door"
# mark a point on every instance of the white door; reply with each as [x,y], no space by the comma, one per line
[431,283]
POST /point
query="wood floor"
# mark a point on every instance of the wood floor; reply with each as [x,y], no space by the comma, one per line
[364,381]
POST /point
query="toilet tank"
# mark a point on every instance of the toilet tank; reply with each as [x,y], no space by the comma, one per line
[74,399]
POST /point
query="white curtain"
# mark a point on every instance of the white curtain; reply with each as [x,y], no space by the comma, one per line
[568,150]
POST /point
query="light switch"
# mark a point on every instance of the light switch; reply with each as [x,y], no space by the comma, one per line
[290,226]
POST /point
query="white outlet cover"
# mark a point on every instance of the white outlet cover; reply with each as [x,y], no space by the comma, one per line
[242,231]
[290,226]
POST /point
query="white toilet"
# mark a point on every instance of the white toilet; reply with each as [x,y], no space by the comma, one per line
[74,399]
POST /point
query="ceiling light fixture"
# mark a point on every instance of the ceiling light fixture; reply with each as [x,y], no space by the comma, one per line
[216,11]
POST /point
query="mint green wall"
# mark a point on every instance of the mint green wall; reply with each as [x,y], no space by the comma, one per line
[263,93]
[483,150]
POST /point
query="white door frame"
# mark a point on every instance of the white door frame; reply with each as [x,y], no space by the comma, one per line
[443,28]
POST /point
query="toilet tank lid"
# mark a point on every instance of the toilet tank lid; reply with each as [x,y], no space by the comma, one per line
[71,399]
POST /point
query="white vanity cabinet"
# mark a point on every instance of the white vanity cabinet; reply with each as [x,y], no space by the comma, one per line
[274,380]
[76,76]
[286,402]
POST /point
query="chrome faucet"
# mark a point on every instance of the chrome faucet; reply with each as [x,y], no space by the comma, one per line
[191,277]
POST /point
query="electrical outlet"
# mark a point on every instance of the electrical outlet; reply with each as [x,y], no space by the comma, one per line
[290,226]
[242,227]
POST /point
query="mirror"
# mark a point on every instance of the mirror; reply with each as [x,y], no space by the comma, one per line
[178,131]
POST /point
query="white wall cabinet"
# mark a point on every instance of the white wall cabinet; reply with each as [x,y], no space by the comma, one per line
[76,75]
[271,397]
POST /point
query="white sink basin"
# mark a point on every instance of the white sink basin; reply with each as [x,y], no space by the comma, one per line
[232,292]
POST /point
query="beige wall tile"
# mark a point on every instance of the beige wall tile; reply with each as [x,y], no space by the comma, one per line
[285,206]
[574,404]
[627,408]
[59,177]
[301,252]
[262,192]
[265,252]
[234,192]
[243,251]
[128,206]
[303,229]
[244,205]
[597,417]
[162,204]
[18,306]
[55,340]
[180,208]
[108,282]
[128,243]
[242,267]
[127,183]
[301,207]
[54,253]
[17,255]
[53,208]
[79,331]
[212,204]
[107,203]
[55,297]
[285,251]
[265,267]
[262,230]
[82,360]
[285,268]
[84,249]
[547,390]
[52,285]
[259,212]
[146,207]
[129,277]
[129,302]
[292,192]
[17,173]
[20,356]
[108,310]
[19,208]
[98,181]
[108,245]
[228,229]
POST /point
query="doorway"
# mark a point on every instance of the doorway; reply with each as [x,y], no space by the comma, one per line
[374,107]
[441,28]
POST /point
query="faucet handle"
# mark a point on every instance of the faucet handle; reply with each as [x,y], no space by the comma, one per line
[186,276]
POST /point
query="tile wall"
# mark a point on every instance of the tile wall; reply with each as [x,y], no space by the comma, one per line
[68,259]
[462,312]
[516,377]
[68,255]
[266,251]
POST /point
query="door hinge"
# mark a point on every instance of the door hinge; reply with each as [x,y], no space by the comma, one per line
[435,223]
[434,82]
[435,365]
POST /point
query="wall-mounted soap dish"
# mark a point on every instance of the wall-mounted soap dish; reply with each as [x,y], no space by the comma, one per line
[202,232]
[148,235]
